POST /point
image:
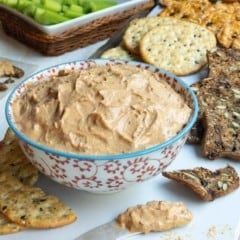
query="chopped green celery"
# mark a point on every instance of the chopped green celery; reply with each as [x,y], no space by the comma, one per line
[11,3]
[85,4]
[69,2]
[47,17]
[72,14]
[30,10]
[52,5]
[97,5]
[22,4]
[72,11]
[76,8]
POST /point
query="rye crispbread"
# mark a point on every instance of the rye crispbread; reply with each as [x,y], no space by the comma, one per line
[30,206]
[13,160]
[217,127]
[180,48]
[207,184]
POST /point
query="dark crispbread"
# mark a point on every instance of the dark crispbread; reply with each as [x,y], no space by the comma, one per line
[225,60]
[30,207]
[208,184]
[13,160]
[219,92]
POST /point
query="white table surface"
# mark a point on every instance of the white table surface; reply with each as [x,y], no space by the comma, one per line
[217,220]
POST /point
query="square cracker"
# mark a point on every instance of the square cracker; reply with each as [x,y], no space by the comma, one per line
[13,160]
[180,48]
[7,226]
[30,207]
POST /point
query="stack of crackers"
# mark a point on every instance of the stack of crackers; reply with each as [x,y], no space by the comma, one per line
[22,204]
[174,45]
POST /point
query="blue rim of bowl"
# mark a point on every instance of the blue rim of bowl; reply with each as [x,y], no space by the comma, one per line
[79,156]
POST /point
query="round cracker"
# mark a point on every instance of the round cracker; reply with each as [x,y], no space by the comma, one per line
[117,53]
[180,48]
[139,26]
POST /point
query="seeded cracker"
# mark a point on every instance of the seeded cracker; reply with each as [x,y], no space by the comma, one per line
[14,162]
[118,53]
[139,26]
[219,104]
[180,48]
[30,207]
[208,184]
[7,226]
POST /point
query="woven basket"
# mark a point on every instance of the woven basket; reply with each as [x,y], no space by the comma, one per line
[72,39]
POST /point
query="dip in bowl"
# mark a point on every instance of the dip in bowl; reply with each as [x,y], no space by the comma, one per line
[101,125]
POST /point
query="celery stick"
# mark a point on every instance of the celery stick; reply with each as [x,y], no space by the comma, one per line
[30,10]
[22,4]
[47,17]
[72,14]
[76,8]
[97,5]
[72,11]
[52,5]
[11,3]
[85,4]
[69,2]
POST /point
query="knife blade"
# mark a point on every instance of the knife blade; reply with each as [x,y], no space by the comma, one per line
[117,36]
[107,231]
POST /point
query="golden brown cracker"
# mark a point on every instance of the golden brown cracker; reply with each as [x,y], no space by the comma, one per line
[13,160]
[30,207]
[138,27]
[180,48]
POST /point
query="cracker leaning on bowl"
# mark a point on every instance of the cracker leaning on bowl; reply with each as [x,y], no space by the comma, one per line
[14,162]
[31,207]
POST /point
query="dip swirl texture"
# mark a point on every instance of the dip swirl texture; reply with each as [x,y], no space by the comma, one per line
[101,110]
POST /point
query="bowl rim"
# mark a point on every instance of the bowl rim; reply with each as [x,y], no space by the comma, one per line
[81,156]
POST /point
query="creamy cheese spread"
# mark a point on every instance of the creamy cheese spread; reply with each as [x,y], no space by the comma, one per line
[154,216]
[101,110]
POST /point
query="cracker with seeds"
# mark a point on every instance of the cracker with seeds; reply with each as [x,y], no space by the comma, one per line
[7,226]
[119,52]
[180,48]
[139,26]
[13,160]
[30,207]
[218,124]
[208,184]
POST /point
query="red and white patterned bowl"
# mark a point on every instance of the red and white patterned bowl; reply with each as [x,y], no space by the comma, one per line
[103,173]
